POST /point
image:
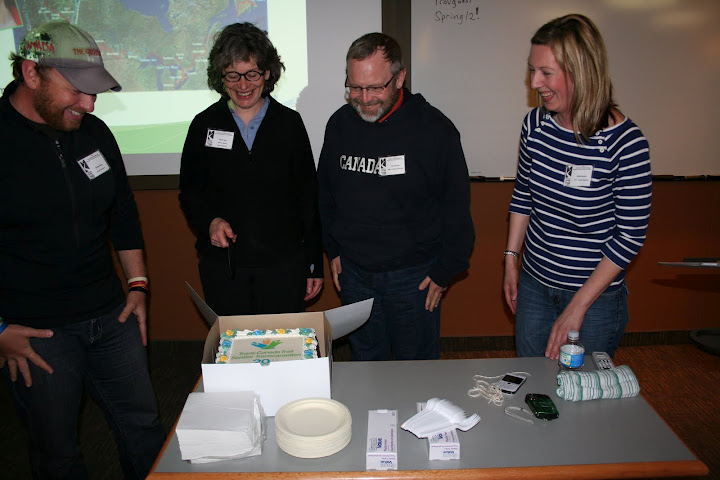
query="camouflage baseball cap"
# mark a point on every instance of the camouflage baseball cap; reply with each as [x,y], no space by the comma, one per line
[71,51]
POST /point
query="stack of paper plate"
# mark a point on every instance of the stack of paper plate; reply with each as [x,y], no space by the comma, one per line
[313,427]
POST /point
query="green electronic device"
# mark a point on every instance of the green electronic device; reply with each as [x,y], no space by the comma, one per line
[542,406]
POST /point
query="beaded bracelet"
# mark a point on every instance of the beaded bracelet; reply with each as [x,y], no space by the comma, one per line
[510,252]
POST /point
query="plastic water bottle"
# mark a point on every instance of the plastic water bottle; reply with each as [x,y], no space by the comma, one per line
[572,353]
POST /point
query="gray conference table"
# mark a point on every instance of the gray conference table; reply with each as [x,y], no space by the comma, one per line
[622,438]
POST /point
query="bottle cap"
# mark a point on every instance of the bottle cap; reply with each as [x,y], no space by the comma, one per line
[573,335]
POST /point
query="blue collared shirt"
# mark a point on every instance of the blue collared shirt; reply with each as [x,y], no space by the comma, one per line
[249,131]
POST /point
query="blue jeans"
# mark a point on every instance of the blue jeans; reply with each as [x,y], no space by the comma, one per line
[399,327]
[108,358]
[538,306]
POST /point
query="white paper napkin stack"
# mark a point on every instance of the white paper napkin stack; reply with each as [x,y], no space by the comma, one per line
[219,426]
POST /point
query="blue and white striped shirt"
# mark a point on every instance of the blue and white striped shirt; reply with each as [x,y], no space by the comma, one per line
[571,228]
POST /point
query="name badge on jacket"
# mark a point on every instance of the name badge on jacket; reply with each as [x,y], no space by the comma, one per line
[94,165]
[219,139]
[392,165]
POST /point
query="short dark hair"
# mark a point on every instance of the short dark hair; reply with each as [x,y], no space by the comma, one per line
[17,62]
[242,42]
[366,46]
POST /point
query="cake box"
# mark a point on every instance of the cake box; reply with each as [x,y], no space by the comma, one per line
[278,383]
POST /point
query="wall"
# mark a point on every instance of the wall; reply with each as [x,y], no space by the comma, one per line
[469,59]
[685,222]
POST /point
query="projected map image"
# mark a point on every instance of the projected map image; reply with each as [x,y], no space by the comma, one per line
[148,45]
[158,50]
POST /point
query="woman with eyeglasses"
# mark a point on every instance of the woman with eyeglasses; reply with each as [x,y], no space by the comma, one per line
[248,186]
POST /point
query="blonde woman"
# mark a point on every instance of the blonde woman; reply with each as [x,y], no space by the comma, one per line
[581,204]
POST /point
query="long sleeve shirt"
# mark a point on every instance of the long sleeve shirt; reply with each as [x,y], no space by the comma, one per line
[573,226]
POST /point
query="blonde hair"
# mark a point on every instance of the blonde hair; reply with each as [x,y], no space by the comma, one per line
[580,51]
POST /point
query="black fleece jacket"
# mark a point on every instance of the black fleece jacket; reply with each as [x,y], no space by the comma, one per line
[55,260]
[268,195]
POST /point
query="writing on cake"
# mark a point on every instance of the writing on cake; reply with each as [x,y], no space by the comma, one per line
[246,346]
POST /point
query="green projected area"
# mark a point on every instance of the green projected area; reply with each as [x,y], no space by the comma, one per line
[167,137]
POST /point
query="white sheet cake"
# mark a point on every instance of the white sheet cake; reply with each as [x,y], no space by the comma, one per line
[263,346]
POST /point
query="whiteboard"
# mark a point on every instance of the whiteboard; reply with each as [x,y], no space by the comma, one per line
[329,37]
[469,59]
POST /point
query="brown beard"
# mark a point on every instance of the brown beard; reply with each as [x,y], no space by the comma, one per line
[51,113]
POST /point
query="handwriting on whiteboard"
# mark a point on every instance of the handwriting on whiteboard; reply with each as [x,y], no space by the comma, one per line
[456,12]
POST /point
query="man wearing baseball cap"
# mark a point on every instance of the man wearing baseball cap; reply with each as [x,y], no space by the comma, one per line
[65,321]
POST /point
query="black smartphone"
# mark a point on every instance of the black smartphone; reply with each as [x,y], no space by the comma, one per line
[542,406]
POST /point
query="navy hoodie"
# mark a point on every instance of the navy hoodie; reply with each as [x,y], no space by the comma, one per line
[382,221]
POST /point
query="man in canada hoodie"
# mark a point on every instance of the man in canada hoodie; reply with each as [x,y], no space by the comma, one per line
[394,203]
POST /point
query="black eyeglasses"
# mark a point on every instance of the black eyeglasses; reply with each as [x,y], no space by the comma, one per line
[372,90]
[250,76]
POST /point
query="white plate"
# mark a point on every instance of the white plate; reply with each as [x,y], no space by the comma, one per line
[313,427]
[313,417]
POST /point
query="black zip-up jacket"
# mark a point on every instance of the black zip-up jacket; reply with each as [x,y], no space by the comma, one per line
[268,195]
[385,220]
[56,265]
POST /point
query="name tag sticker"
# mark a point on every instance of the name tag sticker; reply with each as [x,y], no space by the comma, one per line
[219,139]
[94,165]
[392,165]
[578,175]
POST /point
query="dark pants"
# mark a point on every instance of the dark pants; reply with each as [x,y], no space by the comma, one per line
[399,327]
[108,358]
[254,290]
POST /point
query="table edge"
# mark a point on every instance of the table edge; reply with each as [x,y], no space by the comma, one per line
[580,472]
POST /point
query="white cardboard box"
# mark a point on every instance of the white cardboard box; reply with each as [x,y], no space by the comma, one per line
[381,443]
[443,445]
[278,383]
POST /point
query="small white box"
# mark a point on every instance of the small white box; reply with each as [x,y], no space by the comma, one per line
[278,383]
[444,446]
[381,440]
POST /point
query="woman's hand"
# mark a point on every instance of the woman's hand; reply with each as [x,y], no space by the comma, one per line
[570,319]
[313,288]
[221,232]
[510,282]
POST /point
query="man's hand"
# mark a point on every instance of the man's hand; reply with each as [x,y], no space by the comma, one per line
[434,295]
[136,303]
[336,269]
[15,349]
[313,288]
[221,232]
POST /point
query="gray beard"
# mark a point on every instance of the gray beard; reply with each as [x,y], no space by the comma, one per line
[382,111]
